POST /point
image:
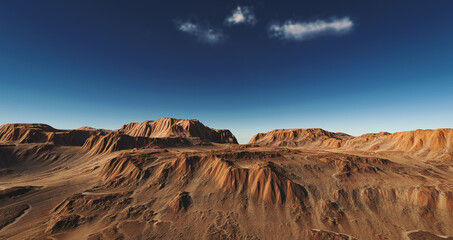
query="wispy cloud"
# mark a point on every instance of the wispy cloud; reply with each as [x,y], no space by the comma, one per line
[203,33]
[300,31]
[241,15]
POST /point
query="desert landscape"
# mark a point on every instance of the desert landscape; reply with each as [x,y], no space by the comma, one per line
[179,179]
[213,120]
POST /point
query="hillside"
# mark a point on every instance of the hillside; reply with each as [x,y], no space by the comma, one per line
[179,179]
[431,144]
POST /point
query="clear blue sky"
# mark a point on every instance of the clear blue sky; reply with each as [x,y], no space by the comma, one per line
[350,66]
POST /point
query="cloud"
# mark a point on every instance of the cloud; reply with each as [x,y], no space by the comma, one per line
[241,15]
[300,31]
[203,33]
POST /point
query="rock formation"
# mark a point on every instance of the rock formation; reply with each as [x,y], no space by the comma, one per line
[177,179]
[170,127]
[300,137]
[98,144]
[43,133]
[435,144]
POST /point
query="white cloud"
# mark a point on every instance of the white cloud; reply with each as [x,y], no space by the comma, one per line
[188,27]
[300,31]
[241,15]
[203,33]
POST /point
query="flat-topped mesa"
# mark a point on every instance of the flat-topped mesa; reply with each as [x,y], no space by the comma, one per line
[435,144]
[43,133]
[25,132]
[171,127]
[300,137]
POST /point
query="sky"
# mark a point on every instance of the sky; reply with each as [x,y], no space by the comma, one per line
[248,66]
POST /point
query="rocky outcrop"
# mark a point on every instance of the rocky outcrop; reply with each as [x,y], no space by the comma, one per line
[300,137]
[25,133]
[429,197]
[7,156]
[63,223]
[268,184]
[185,128]
[99,144]
[436,143]
[181,202]
[15,191]
[11,213]
[43,133]
[331,213]
[433,144]
[128,167]
[112,142]
[90,203]
[264,181]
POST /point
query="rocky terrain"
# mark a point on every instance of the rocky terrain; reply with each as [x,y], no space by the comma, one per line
[434,144]
[179,179]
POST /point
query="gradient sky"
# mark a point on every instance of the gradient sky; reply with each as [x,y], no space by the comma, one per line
[107,63]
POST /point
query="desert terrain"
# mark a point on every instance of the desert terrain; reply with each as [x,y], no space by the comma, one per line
[179,179]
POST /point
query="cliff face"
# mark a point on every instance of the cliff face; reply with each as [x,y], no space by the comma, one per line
[99,144]
[170,127]
[436,143]
[43,133]
[162,133]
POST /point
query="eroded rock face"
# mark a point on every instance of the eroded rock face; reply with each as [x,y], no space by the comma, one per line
[11,213]
[100,144]
[15,191]
[43,133]
[181,202]
[7,157]
[429,197]
[170,127]
[331,213]
[91,204]
[113,142]
[433,144]
[300,137]
[165,132]
[266,183]
[128,168]
[227,176]
[63,223]
[263,182]
[426,196]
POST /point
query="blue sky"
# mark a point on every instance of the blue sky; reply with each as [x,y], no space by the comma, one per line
[249,66]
